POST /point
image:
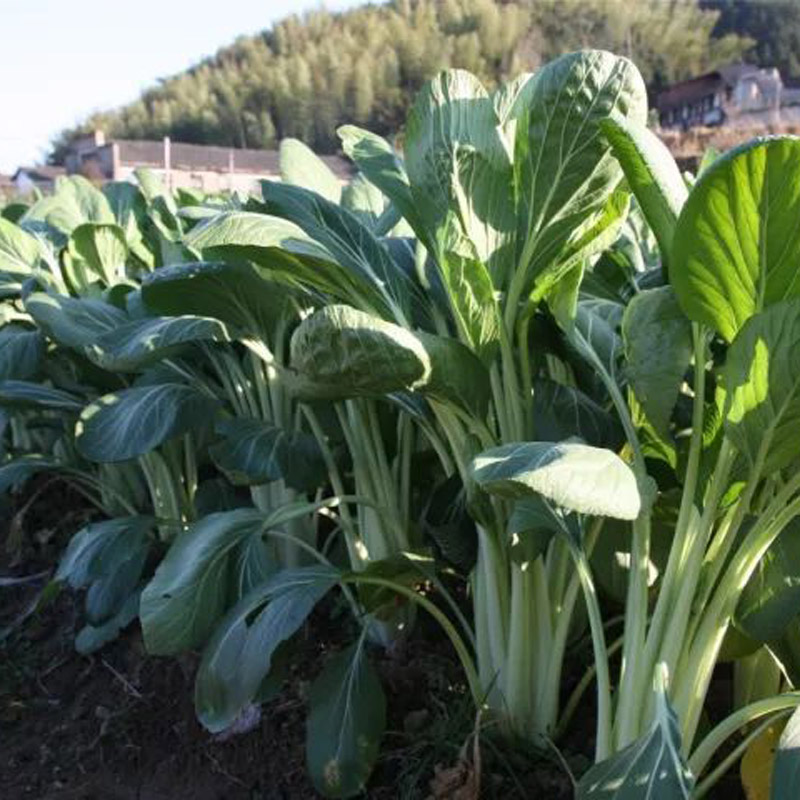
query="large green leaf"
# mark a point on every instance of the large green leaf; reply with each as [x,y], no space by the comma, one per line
[365,200]
[786,767]
[564,169]
[301,166]
[577,477]
[74,202]
[108,559]
[21,352]
[292,256]
[470,290]
[28,394]
[90,201]
[354,247]
[342,352]
[652,768]
[233,293]
[458,162]
[73,322]
[762,384]
[249,229]
[19,250]
[737,241]
[238,657]
[195,583]
[345,724]
[770,601]
[652,175]
[128,207]
[103,248]
[141,342]
[154,189]
[254,452]
[377,159]
[132,422]
[658,348]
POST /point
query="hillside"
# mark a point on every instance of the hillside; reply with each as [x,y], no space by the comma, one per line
[309,74]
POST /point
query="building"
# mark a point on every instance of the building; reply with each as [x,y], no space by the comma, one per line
[210,169]
[26,179]
[739,95]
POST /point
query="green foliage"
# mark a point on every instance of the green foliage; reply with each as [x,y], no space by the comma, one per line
[736,243]
[348,715]
[773,28]
[476,348]
[238,657]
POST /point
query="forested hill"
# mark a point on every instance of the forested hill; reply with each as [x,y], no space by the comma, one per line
[307,75]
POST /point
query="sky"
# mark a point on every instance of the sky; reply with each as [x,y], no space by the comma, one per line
[62,59]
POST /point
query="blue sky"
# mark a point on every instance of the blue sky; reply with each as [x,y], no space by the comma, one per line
[61,59]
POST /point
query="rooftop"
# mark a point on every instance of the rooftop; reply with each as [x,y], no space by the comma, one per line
[686,91]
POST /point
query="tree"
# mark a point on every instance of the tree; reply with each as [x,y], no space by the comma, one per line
[309,74]
[773,25]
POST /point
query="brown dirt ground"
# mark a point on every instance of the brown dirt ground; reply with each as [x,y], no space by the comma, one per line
[120,725]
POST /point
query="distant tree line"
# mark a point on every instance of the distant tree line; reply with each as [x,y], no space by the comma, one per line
[308,74]
[773,25]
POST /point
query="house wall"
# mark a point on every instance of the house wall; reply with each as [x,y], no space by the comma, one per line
[204,180]
[207,168]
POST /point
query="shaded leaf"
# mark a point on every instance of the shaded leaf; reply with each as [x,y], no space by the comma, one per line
[73,322]
[131,422]
[106,558]
[786,769]
[141,342]
[658,349]
[254,452]
[194,584]
[345,724]
[238,656]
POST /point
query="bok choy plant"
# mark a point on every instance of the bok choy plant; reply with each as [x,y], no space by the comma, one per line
[528,353]
[722,336]
[508,195]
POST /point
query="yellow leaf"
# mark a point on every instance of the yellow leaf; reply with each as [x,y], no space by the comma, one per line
[756,767]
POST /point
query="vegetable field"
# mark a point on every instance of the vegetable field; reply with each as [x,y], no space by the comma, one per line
[525,394]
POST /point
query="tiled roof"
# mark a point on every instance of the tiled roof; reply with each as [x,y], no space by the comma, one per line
[689,91]
[695,88]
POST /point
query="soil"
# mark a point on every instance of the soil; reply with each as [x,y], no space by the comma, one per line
[120,725]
